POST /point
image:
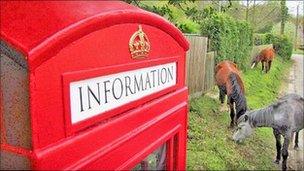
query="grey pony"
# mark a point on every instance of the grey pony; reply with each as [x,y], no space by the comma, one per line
[285,116]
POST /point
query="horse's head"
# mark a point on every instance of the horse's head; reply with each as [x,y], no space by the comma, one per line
[255,61]
[244,128]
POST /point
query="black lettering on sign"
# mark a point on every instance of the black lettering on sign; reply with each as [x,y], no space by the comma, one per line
[148,81]
[170,73]
[106,90]
[163,75]
[90,92]
[153,77]
[158,78]
[80,97]
[127,85]
[113,88]
[100,94]
[138,85]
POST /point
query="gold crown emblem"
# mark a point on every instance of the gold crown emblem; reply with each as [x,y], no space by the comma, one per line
[139,44]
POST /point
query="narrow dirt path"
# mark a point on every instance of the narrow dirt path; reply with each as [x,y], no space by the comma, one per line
[296,158]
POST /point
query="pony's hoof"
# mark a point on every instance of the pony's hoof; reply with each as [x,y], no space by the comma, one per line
[296,147]
[276,161]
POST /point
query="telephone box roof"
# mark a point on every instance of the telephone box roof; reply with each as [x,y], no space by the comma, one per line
[39,29]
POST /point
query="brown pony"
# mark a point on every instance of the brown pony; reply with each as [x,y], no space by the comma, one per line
[229,82]
[266,57]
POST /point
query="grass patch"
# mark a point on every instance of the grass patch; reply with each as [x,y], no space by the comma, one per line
[261,88]
[209,139]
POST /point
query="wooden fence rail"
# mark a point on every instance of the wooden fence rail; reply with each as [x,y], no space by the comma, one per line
[200,66]
[209,71]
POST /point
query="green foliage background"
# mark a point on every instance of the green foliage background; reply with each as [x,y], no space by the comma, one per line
[230,35]
[230,38]
[281,43]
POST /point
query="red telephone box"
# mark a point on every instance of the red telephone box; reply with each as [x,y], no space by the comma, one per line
[91,85]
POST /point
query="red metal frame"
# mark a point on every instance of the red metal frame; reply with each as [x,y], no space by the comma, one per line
[137,141]
[84,42]
[37,49]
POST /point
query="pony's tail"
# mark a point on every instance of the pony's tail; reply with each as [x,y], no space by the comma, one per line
[237,95]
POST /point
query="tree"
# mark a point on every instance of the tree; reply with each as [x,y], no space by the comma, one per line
[262,15]
[184,14]
[247,10]
[284,15]
[164,9]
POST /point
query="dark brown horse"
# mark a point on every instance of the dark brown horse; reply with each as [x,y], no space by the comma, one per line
[230,83]
[266,57]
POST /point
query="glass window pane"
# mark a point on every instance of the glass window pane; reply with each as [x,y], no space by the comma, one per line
[155,161]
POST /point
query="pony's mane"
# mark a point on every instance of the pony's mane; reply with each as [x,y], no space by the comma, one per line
[237,95]
[261,116]
[265,116]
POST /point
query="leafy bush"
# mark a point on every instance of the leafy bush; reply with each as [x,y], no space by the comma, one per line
[188,26]
[267,28]
[281,44]
[231,39]
[245,43]
[289,29]
[259,39]
[173,10]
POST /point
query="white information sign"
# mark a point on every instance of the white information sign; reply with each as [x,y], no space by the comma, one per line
[97,95]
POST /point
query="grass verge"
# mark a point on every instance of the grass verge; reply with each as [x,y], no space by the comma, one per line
[209,139]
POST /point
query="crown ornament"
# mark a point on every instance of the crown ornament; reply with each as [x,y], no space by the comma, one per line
[139,44]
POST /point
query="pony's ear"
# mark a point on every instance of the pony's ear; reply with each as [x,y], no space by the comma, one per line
[235,65]
[278,103]
[246,118]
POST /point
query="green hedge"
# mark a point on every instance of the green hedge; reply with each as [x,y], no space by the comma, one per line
[259,39]
[281,43]
[231,39]
[188,26]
